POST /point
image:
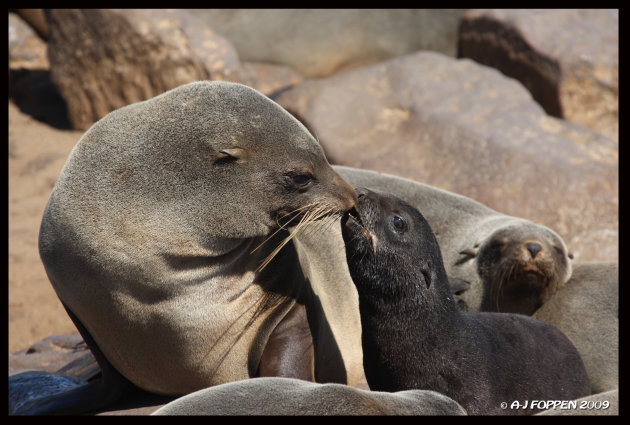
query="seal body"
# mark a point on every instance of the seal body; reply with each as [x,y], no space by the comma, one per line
[586,310]
[155,230]
[495,262]
[415,336]
[284,396]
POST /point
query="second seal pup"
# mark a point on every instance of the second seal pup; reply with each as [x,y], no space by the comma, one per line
[414,335]
[155,232]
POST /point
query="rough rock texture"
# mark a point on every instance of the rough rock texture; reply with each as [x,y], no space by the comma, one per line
[567,58]
[36,19]
[102,60]
[468,129]
[268,78]
[62,354]
[26,49]
[320,42]
[28,386]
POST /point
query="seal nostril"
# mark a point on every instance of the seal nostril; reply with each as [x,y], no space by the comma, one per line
[534,249]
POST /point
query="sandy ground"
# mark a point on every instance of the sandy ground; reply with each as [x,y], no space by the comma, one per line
[37,153]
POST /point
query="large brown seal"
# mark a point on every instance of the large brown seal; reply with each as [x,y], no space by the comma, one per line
[284,396]
[155,232]
[495,262]
[415,336]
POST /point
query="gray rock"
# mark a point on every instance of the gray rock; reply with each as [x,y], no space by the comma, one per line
[320,42]
[60,354]
[105,59]
[468,129]
[268,78]
[567,58]
[29,386]
[586,309]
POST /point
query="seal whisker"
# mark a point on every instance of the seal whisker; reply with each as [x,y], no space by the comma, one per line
[309,217]
[282,226]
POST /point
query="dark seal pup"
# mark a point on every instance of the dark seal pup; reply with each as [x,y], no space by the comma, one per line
[414,335]
[495,262]
[154,236]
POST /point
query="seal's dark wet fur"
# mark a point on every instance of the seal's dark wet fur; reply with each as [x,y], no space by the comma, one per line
[414,335]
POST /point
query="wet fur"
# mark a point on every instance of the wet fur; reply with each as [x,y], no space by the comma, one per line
[414,336]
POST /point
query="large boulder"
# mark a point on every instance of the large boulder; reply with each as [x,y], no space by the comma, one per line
[320,42]
[467,128]
[102,60]
[26,48]
[567,58]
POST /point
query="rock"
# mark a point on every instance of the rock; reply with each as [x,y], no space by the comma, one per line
[27,387]
[567,58]
[60,354]
[586,310]
[468,129]
[320,42]
[36,19]
[26,49]
[102,60]
[268,78]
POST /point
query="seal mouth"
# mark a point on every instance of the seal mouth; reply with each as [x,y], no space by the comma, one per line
[352,218]
[354,229]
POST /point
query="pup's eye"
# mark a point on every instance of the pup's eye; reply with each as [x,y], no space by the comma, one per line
[300,180]
[399,223]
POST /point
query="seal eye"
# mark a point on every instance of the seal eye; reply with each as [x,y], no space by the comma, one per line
[299,180]
[399,223]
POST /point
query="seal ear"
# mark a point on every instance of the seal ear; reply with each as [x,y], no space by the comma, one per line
[427,277]
[458,286]
[230,154]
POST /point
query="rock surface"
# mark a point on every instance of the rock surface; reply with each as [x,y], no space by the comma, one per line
[102,60]
[468,129]
[26,49]
[567,58]
[321,42]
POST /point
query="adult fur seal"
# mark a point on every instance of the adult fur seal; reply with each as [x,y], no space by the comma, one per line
[284,396]
[155,232]
[495,262]
[586,310]
[415,336]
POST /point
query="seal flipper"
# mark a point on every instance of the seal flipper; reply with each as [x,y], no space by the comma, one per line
[289,351]
[97,394]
